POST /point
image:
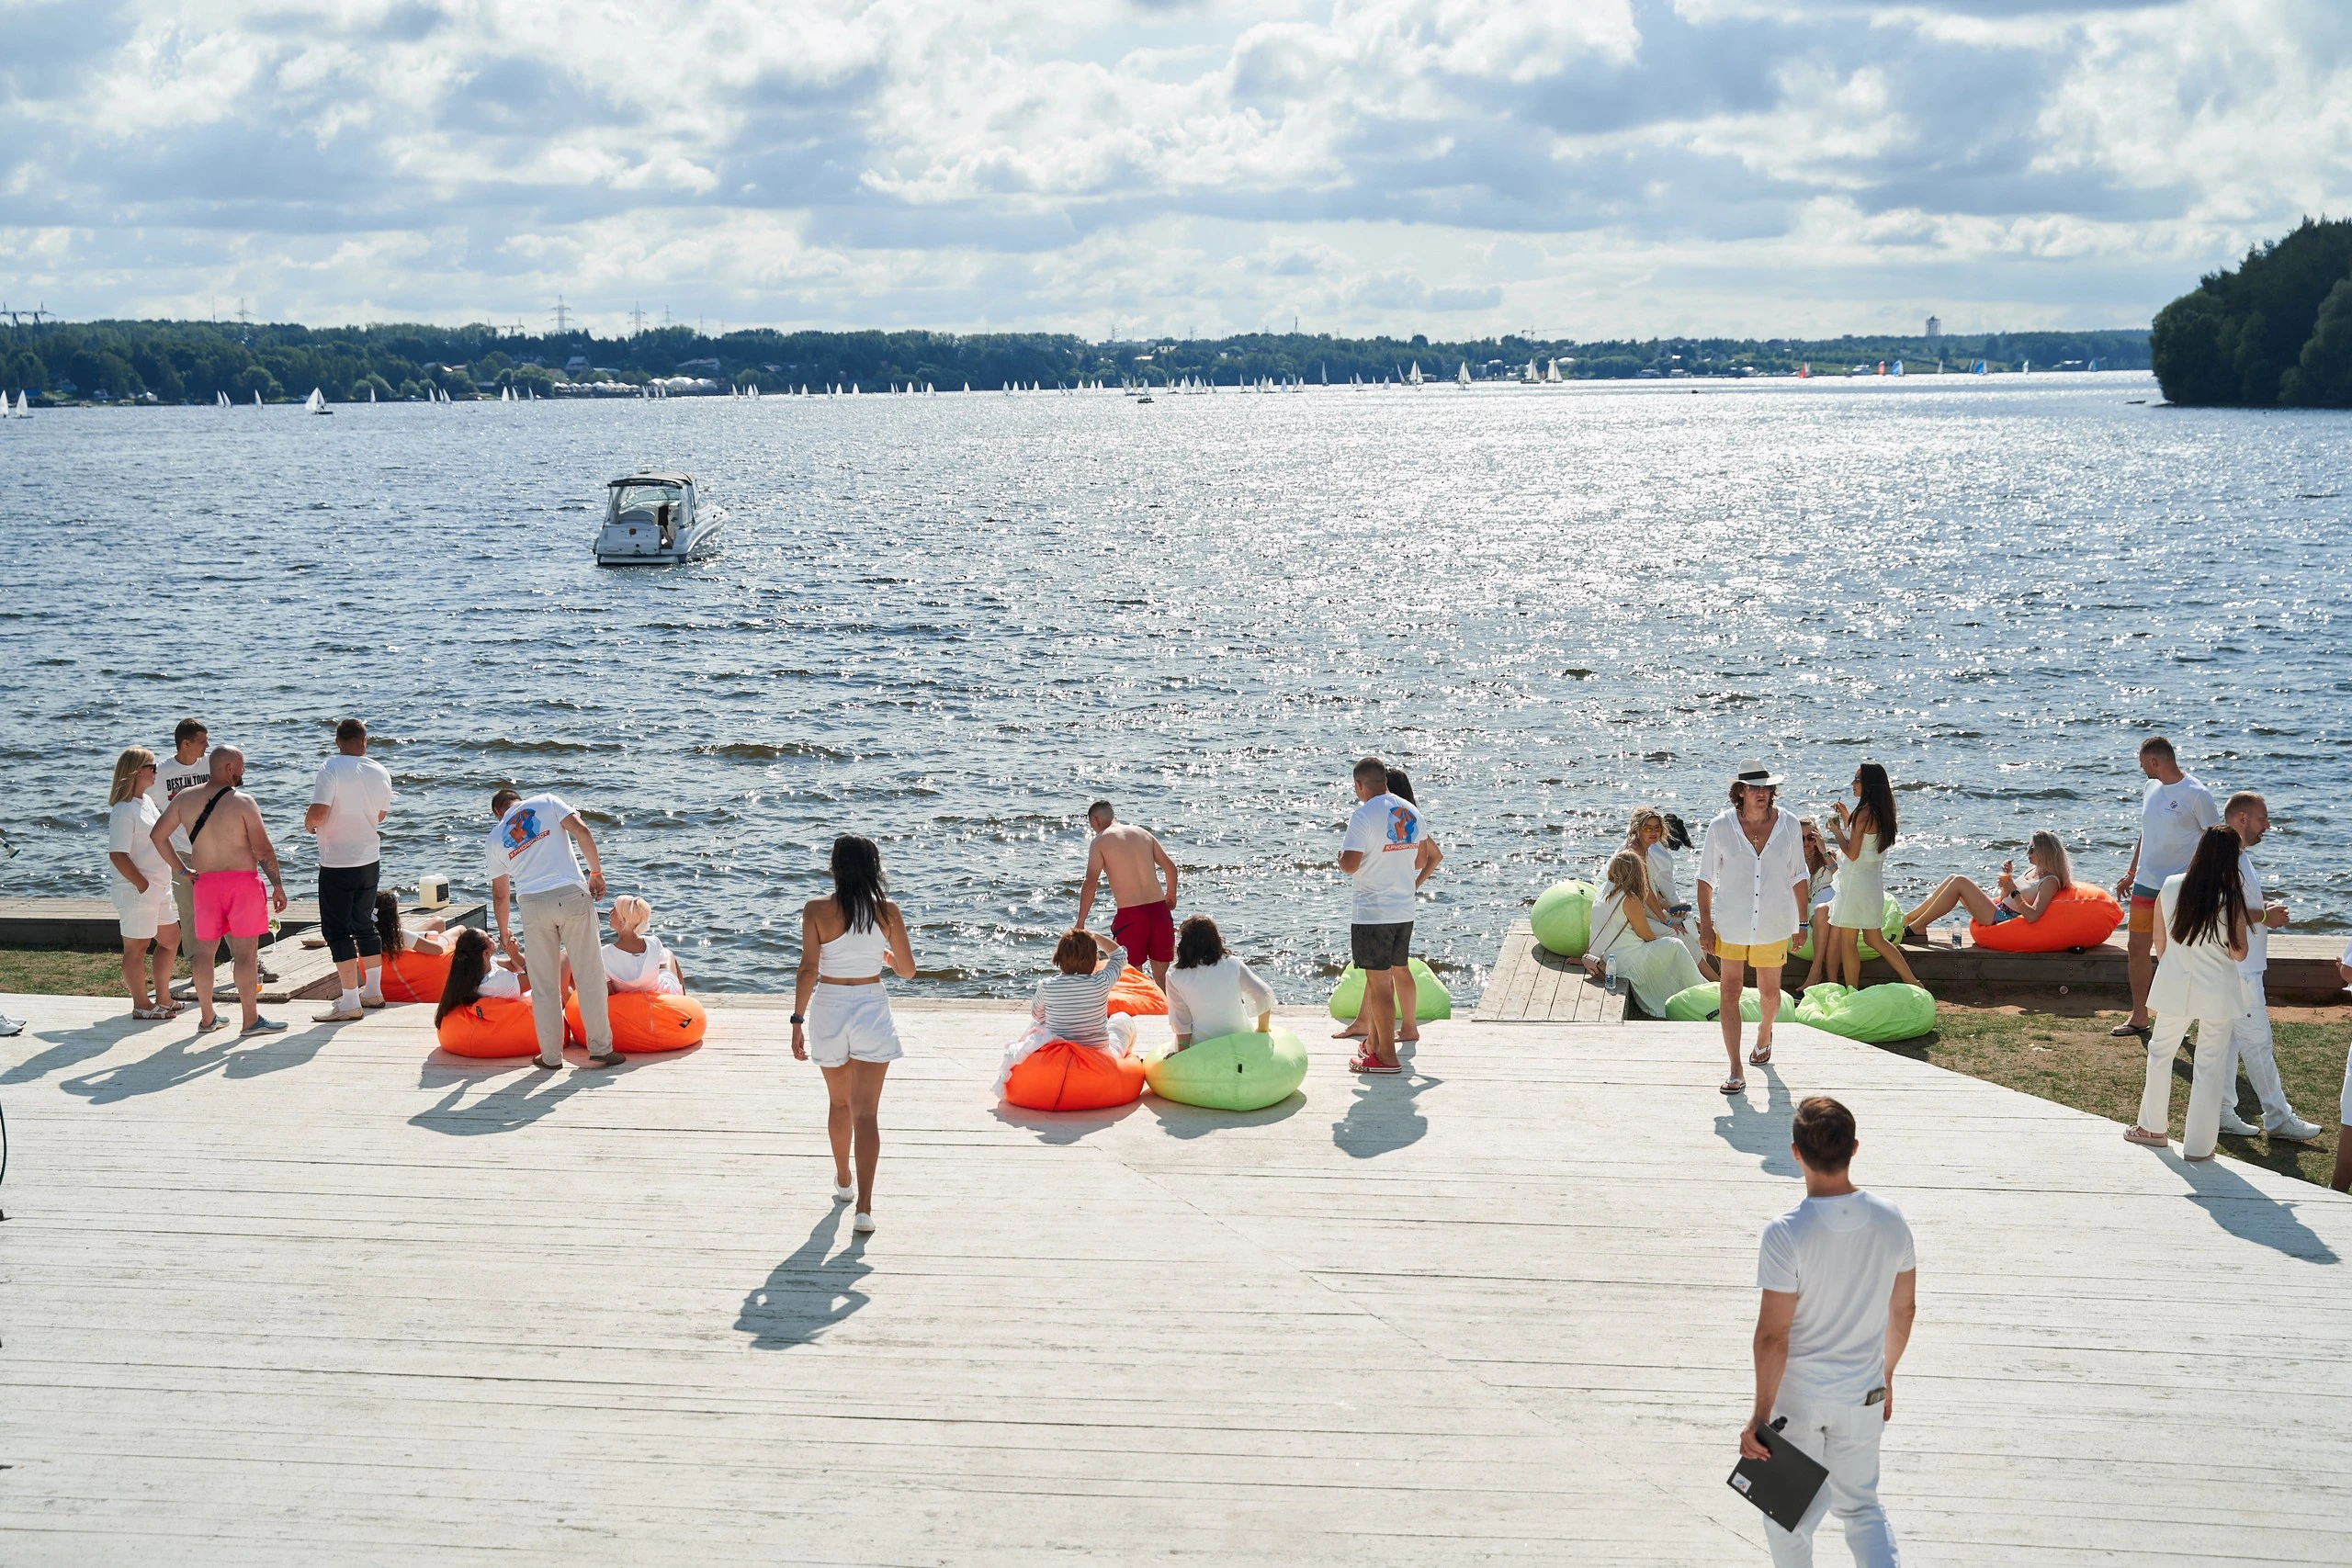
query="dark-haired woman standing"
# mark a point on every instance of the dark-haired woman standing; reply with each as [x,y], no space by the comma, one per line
[2201,937]
[840,1014]
[1858,907]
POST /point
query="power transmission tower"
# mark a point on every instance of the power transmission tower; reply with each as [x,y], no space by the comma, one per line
[562,317]
[637,320]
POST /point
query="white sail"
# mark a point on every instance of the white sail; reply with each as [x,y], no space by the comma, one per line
[223,397]
[371,391]
[1462,377]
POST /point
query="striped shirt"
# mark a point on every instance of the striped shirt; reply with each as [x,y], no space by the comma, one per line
[1075,1007]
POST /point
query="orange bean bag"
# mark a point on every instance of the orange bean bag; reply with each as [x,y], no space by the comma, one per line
[643,1022]
[415,977]
[1063,1077]
[2080,915]
[1136,996]
[495,1026]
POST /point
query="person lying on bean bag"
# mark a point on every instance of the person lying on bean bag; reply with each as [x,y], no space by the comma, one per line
[2011,899]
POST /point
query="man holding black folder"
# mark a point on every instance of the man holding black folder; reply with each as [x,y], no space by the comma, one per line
[1840,1284]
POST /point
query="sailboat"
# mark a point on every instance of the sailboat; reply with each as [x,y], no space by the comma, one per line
[1462,377]
[316,402]
[371,392]
[224,399]
[1413,378]
[257,397]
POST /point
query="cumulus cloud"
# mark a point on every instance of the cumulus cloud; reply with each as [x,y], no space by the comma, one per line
[1602,167]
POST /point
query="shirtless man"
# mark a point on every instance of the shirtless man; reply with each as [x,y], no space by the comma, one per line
[230,851]
[1133,860]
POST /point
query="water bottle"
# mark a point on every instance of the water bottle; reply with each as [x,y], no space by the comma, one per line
[1611,982]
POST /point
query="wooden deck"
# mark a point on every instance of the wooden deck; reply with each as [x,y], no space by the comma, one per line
[1531,984]
[334,1299]
[2302,968]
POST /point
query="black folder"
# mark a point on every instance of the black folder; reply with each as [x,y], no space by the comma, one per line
[1783,1486]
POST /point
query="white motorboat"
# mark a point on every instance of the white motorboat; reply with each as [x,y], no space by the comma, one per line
[656,520]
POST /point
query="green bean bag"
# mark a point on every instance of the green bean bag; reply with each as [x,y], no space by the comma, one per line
[1232,1072]
[1703,1004]
[1431,999]
[1891,927]
[1875,1014]
[1562,919]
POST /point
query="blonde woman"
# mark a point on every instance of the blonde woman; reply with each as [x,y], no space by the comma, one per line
[142,886]
[1651,958]
[1821,864]
[1652,834]
[635,959]
[2011,899]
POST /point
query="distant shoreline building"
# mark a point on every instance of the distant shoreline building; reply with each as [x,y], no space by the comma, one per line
[1935,329]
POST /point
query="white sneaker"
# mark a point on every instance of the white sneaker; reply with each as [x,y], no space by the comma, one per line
[843,1194]
[2293,1129]
[337,1015]
[864,1222]
[2238,1126]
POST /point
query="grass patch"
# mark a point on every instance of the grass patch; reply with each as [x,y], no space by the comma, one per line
[2057,1047]
[61,972]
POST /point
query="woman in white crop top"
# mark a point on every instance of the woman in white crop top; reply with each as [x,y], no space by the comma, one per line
[635,959]
[841,1013]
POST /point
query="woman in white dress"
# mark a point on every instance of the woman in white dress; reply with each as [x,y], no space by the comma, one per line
[1211,992]
[1655,836]
[1858,908]
[1651,958]
[635,959]
[142,886]
[2202,924]
[1821,865]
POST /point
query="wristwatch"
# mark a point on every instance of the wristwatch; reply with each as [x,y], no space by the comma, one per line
[799,1018]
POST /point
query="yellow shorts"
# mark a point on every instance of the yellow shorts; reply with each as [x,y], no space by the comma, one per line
[1756,954]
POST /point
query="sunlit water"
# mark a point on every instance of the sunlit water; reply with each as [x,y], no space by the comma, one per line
[950,622]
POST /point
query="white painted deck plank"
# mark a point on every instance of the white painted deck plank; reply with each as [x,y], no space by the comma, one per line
[334,1298]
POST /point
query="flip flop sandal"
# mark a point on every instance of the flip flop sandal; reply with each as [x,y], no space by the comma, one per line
[1760,1057]
[2129,1032]
[1732,1086]
[2141,1135]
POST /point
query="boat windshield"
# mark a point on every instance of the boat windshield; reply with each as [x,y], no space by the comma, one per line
[647,498]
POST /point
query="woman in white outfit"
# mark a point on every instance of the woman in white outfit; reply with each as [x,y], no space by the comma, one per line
[2200,936]
[840,1014]
[1651,958]
[635,959]
[1858,907]
[142,886]
[1821,865]
[1210,992]
[1655,836]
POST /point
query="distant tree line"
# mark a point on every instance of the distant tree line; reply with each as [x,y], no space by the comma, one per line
[2278,330]
[200,361]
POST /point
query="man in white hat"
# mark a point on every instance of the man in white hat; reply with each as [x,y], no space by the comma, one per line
[1752,887]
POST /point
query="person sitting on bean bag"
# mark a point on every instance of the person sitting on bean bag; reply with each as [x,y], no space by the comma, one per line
[1211,992]
[2012,899]
[1821,865]
[431,935]
[475,974]
[635,959]
[1074,1005]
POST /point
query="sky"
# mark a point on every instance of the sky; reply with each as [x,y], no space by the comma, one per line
[1572,168]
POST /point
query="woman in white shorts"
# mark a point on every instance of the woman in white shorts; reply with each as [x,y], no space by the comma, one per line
[840,1014]
[142,886]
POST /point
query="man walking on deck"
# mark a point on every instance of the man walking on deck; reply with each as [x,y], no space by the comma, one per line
[230,851]
[348,803]
[2174,815]
[2249,816]
[530,861]
[1840,1284]
[1381,852]
[1145,923]
[1753,891]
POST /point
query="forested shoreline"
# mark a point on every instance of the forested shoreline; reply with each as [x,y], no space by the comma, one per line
[2276,332]
[173,362]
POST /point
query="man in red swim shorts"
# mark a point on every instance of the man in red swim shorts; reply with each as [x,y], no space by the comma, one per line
[1135,863]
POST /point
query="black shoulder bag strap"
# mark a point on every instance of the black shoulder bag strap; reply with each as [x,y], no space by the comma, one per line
[205,815]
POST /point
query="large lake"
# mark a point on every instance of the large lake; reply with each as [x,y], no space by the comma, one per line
[949,622]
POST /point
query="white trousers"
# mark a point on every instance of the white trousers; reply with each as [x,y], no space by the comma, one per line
[1844,1440]
[2206,1089]
[554,925]
[2250,1042]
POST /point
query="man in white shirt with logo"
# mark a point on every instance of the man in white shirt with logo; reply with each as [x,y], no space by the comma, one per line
[349,800]
[1840,1284]
[2248,815]
[530,860]
[2174,815]
[1753,887]
[188,767]
[1381,853]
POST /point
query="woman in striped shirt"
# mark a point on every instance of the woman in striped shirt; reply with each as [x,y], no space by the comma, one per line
[1074,1004]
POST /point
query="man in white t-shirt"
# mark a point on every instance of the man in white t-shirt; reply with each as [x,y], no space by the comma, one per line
[2248,815]
[530,858]
[349,800]
[1381,852]
[1840,1280]
[188,767]
[2174,815]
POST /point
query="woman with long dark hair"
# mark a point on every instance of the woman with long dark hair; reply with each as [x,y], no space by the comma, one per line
[1858,907]
[1210,991]
[474,974]
[840,1014]
[2199,938]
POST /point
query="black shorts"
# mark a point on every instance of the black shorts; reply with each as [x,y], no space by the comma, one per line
[1381,947]
[347,911]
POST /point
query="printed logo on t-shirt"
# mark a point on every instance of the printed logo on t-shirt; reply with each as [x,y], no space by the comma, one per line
[520,831]
[1403,824]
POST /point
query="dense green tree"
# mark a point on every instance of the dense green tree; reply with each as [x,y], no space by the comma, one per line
[2249,338]
[2322,376]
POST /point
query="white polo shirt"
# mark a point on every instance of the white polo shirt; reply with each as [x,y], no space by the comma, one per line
[1755,896]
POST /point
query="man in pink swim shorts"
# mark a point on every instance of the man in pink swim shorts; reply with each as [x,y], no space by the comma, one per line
[1133,863]
[228,854]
